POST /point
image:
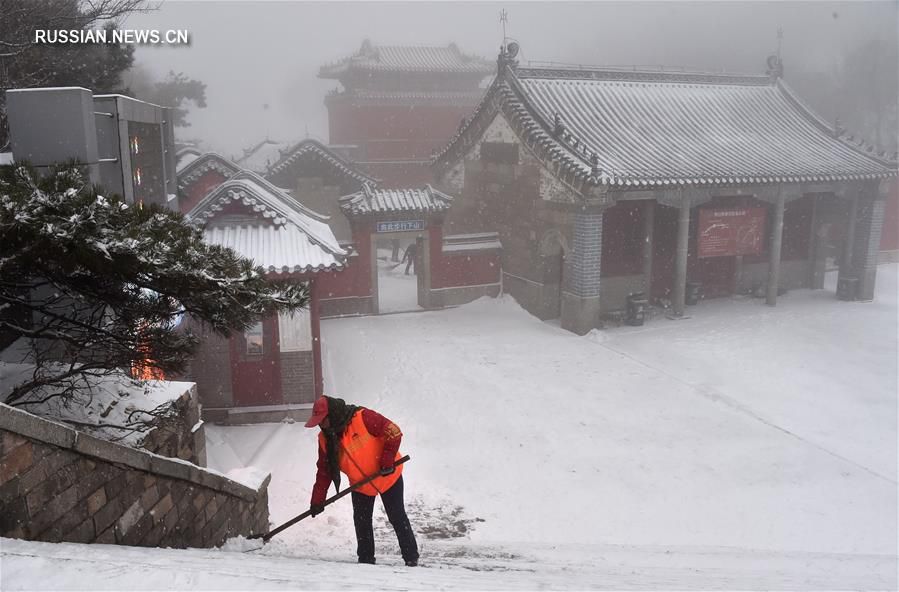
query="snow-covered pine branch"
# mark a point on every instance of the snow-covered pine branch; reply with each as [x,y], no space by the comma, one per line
[95,285]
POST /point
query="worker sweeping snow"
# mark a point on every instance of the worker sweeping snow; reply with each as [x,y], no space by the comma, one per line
[361,443]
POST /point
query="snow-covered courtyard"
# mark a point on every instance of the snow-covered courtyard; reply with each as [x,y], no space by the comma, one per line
[746,447]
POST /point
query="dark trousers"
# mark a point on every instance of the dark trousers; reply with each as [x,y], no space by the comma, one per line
[363,507]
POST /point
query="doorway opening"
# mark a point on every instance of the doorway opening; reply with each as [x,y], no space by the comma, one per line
[399,264]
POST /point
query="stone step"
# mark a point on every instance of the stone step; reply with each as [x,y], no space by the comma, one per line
[257,414]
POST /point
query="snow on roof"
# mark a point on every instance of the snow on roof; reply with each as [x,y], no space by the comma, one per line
[209,161]
[645,128]
[287,236]
[278,249]
[323,153]
[262,156]
[392,58]
[185,156]
[480,241]
[370,200]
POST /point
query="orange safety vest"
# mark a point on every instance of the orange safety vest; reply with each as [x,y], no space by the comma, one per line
[359,456]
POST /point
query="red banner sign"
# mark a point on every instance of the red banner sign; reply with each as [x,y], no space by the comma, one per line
[729,232]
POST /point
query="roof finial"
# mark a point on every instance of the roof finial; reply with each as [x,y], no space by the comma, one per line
[507,51]
[558,125]
[775,62]
[780,38]
[594,164]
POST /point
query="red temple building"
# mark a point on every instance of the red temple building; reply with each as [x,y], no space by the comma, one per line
[398,105]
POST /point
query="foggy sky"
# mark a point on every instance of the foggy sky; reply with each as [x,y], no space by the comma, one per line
[253,54]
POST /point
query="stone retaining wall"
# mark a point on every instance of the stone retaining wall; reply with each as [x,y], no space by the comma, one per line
[185,438]
[57,484]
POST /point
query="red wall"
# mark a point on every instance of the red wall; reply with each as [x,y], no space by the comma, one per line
[355,278]
[461,268]
[394,133]
[466,268]
[200,189]
[360,124]
[401,174]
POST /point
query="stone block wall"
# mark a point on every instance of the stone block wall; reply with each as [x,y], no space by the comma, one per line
[184,438]
[210,367]
[57,484]
[298,376]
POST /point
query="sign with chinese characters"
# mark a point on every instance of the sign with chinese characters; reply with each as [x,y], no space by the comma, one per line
[732,231]
[401,226]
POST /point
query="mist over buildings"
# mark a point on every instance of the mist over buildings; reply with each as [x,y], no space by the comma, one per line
[260,60]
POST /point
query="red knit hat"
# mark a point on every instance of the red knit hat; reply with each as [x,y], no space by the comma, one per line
[319,412]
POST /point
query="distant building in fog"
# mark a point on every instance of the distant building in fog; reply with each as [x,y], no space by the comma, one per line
[127,145]
[399,104]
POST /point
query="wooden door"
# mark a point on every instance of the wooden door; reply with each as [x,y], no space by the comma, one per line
[256,366]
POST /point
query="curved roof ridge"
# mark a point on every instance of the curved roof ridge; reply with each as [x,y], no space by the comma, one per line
[186,170]
[275,205]
[804,109]
[338,161]
[643,74]
[288,199]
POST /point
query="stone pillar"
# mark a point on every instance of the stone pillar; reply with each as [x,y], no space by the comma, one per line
[777,232]
[816,253]
[846,268]
[680,264]
[580,291]
[868,226]
[649,211]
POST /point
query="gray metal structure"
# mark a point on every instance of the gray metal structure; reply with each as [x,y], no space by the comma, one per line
[126,145]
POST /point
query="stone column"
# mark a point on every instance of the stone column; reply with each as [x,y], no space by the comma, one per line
[846,267]
[816,255]
[777,232]
[868,226]
[649,211]
[680,267]
[580,291]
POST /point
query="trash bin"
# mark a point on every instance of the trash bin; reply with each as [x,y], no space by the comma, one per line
[847,288]
[636,309]
[693,293]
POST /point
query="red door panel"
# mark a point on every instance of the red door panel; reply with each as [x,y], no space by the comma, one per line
[256,366]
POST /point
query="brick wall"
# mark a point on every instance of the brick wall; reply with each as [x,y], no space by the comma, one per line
[298,376]
[58,485]
[211,368]
[180,438]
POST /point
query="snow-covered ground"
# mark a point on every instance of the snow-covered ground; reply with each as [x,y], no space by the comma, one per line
[397,292]
[746,447]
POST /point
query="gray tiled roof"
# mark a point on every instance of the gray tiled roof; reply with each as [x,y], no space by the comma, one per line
[284,236]
[325,154]
[625,128]
[369,200]
[390,58]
